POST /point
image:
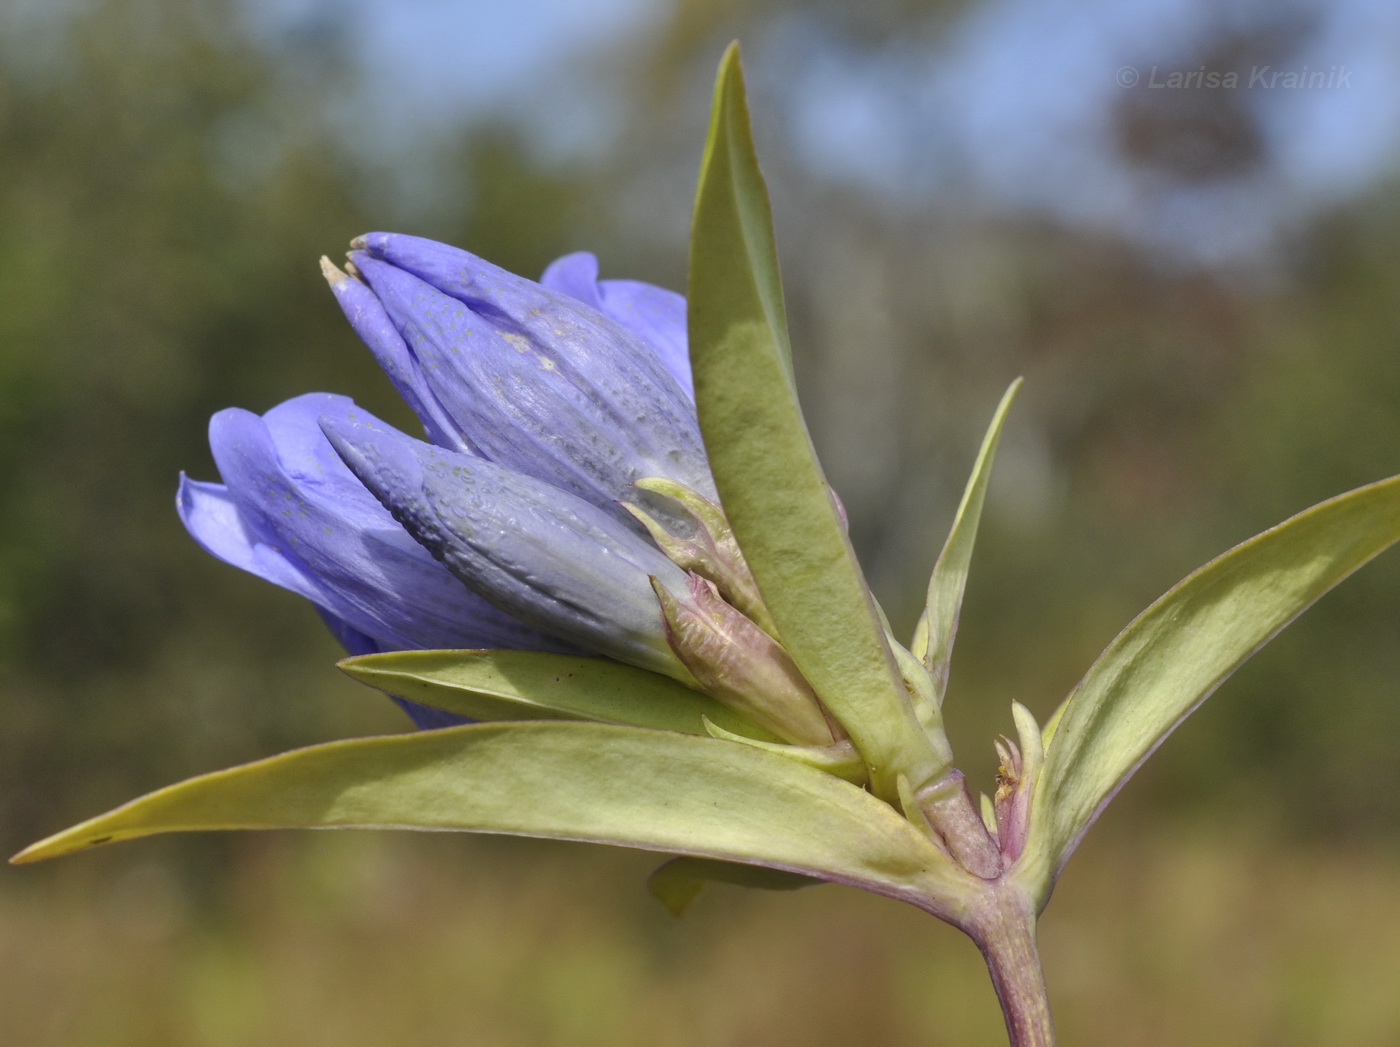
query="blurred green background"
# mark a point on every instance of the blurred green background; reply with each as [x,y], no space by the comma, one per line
[1209,330]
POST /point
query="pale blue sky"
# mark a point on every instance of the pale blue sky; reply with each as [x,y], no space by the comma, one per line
[432,63]
[1015,106]
[1012,107]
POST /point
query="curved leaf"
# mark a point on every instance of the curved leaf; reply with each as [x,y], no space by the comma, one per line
[599,783]
[765,469]
[933,640]
[1179,650]
[534,685]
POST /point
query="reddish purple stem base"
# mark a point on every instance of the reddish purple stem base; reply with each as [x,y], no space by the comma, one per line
[1005,932]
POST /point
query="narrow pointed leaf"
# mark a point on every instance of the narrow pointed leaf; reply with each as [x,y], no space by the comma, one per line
[677,883]
[840,759]
[939,627]
[988,811]
[654,790]
[530,685]
[1179,650]
[765,469]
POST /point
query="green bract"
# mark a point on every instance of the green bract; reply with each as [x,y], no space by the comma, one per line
[530,685]
[769,481]
[933,636]
[584,748]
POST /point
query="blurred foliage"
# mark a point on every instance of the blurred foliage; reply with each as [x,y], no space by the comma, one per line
[365,940]
[160,207]
[166,185]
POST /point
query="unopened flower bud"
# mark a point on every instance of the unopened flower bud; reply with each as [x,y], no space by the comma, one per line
[536,552]
[739,664]
[534,379]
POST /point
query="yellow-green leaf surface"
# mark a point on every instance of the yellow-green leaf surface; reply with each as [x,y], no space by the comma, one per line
[1173,655]
[769,481]
[933,640]
[677,883]
[600,783]
[533,685]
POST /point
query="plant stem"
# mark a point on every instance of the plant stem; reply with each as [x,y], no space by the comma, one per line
[1005,932]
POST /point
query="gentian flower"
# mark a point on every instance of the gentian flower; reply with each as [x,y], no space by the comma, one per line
[562,450]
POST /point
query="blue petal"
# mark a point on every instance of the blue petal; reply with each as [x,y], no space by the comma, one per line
[653,313]
[293,514]
[541,554]
[372,324]
[536,381]
[210,514]
[575,275]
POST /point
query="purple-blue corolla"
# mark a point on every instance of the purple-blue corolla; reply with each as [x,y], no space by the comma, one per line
[541,405]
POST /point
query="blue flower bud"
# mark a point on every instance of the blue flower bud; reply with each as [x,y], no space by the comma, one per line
[544,556]
[290,512]
[533,379]
[545,406]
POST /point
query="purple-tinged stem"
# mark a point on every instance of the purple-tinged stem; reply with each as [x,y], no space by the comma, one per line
[1005,932]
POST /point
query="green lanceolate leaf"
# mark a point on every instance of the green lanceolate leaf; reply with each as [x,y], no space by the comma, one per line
[600,783]
[1173,655]
[769,481]
[532,685]
[933,640]
[677,883]
[840,759]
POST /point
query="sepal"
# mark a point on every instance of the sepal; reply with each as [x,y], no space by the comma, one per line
[739,664]
[697,537]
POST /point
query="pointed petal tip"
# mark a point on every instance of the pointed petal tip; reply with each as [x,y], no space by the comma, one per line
[342,436]
[376,243]
[333,275]
[383,459]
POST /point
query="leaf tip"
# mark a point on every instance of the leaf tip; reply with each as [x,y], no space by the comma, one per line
[731,96]
[58,845]
[25,856]
[356,668]
[669,885]
[730,63]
